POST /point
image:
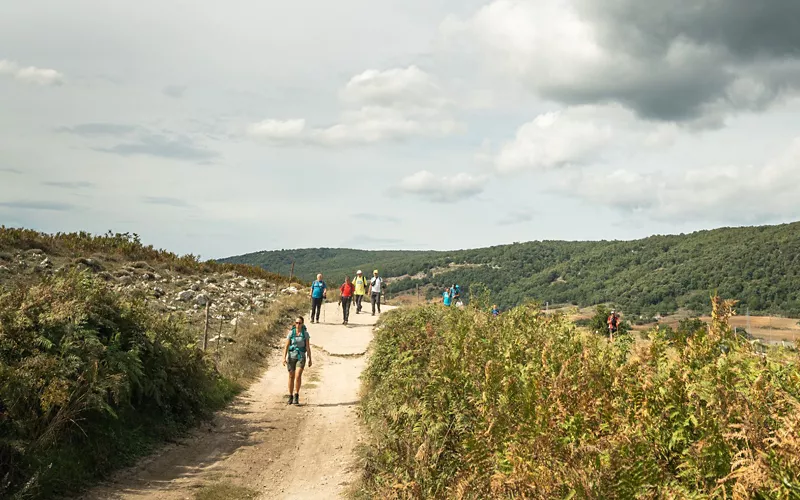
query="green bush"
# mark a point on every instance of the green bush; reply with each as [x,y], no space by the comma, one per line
[88,379]
[460,404]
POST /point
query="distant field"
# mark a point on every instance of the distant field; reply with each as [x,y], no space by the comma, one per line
[769,328]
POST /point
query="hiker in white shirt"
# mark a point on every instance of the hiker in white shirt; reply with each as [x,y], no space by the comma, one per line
[376,284]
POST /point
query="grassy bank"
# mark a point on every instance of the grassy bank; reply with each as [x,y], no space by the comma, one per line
[463,405]
[91,379]
[121,246]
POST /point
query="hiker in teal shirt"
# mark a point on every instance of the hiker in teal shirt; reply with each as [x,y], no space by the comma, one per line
[447,297]
[319,290]
[295,352]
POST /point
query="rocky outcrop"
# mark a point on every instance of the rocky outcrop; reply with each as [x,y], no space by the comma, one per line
[229,296]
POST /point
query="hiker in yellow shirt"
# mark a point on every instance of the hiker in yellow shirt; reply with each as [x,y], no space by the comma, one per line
[360,283]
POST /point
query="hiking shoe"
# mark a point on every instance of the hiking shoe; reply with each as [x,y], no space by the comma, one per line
[291,400]
[296,398]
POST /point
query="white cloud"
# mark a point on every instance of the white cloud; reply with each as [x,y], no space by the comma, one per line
[277,130]
[554,139]
[395,104]
[393,87]
[443,189]
[31,74]
[727,193]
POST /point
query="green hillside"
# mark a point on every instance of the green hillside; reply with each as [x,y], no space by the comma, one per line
[759,266]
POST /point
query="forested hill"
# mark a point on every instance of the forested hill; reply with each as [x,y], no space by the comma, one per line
[759,266]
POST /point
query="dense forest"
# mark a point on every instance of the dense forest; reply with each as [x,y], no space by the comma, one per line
[759,266]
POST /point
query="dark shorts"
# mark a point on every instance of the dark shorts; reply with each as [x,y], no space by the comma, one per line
[292,364]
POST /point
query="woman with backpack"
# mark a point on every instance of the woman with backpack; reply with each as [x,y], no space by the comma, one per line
[297,348]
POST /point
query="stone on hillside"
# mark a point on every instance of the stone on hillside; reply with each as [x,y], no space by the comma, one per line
[223,338]
[244,283]
[46,264]
[290,290]
[158,292]
[201,300]
[125,280]
[186,295]
[92,264]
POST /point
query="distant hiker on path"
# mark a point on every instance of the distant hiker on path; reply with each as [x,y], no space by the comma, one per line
[297,348]
[346,298]
[375,285]
[319,290]
[447,297]
[613,324]
[456,290]
[360,283]
[495,310]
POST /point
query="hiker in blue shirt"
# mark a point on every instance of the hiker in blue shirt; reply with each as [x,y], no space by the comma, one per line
[495,310]
[297,347]
[319,290]
[447,297]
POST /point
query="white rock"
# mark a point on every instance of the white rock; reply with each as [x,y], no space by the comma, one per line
[201,300]
[186,295]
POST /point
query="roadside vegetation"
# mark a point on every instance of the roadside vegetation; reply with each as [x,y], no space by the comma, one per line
[460,404]
[91,379]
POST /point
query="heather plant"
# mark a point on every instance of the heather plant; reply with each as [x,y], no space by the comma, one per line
[87,379]
[460,404]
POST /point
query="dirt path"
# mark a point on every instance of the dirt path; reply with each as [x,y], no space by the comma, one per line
[263,444]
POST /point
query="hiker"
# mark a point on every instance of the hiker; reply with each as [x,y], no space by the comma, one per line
[360,283]
[346,298]
[375,285]
[447,297]
[613,324]
[319,290]
[297,348]
[495,310]
[456,293]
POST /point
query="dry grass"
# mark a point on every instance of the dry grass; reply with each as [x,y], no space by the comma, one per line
[243,360]
[225,491]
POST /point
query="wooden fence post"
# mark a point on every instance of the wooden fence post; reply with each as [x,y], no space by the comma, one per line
[205,330]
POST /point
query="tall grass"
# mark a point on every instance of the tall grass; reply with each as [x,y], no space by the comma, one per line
[460,404]
[122,245]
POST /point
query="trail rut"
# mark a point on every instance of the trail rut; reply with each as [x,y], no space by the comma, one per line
[261,443]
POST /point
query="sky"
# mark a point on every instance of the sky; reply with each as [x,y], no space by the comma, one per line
[221,128]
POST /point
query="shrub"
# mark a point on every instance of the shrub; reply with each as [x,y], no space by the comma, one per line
[463,405]
[87,379]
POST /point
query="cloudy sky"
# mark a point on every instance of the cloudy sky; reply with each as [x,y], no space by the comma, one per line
[220,128]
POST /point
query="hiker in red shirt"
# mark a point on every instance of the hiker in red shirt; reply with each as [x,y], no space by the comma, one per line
[346,298]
